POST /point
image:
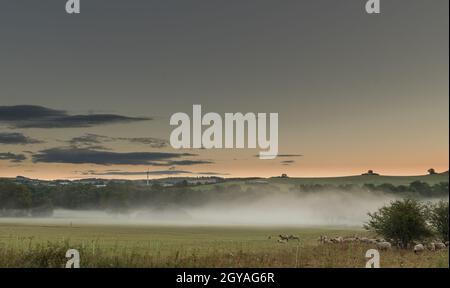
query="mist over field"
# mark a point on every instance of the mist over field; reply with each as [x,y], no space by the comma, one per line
[326,208]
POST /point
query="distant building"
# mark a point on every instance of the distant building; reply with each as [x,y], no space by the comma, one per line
[370,173]
[203,180]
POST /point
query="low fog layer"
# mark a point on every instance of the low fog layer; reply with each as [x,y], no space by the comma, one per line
[280,208]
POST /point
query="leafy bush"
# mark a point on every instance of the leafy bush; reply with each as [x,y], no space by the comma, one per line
[402,221]
[438,215]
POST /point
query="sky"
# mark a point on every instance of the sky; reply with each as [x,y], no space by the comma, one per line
[91,95]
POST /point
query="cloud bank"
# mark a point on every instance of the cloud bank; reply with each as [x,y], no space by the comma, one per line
[15,158]
[16,139]
[89,156]
[30,116]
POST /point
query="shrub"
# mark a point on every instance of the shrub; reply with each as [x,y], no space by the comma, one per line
[402,221]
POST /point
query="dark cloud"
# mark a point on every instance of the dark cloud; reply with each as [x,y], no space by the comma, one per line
[94,147]
[89,139]
[16,158]
[288,162]
[29,116]
[152,142]
[187,162]
[17,139]
[88,156]
[27,112]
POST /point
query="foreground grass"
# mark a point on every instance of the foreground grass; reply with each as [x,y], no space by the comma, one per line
[150,246]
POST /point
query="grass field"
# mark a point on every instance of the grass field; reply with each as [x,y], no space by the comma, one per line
[39,245]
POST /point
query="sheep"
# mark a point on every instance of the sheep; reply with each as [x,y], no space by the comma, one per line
[346,240]
[384,245]
[372,241]
[446,243]
[292,237]
[282,241]
[322,239]
[364,240]
[439,245]
[431,246]
[284,237]
[419,248]
[339,239]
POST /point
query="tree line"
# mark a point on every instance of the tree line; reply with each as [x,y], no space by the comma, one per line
[40,200]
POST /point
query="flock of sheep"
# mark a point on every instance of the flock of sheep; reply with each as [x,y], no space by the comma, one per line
[382,244]
[432,246]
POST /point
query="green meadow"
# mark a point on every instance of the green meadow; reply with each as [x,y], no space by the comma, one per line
[42,245]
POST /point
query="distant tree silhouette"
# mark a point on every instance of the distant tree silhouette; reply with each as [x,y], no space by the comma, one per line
[431,171]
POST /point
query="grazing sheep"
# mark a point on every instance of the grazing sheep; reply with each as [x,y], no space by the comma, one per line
[439,245]
[431,246]
[336,240]
[281,241]
[419,248]
[364,240]
[347,240]
[372,241]
[284,237]
[384,245]
[292,237]
[339,239]
[325,240]
[446,243]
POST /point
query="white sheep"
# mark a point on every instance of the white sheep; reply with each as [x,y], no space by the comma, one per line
[419,248]
[349,240]
[384,245]
[439,245]
[372,241]
[336,240]
[364,240]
